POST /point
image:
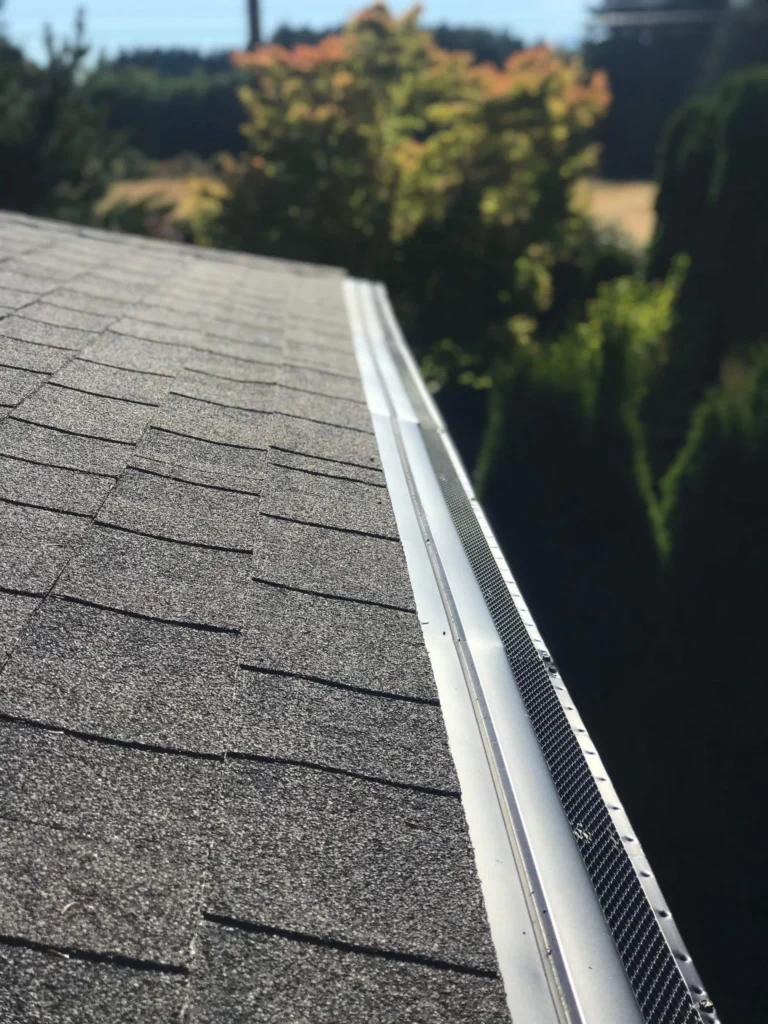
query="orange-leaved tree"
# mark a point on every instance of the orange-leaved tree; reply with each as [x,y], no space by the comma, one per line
[377,150]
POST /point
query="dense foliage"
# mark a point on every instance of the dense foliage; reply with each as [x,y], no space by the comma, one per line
[377,150]
[170,101]
[713,205]
[164,114]
[56,154]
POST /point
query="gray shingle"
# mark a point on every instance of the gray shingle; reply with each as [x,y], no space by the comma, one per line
[341,641]
[213,423]
[117,383]
[97,789]
[121,696]
[366,863]
[298,720]
[182,511]
[254,396]
[35,545]
[330,562]
[108,418]
[40,988]
[15,281]
[41,444]
[44,334]
[321,409]
[15,384]
[147,331]
[101,288]
[340,503]
[114,895]
[231,466]
[325,442]
[260,366]
[244,978]
[63,490]
[10,298]
[79,302]
[32,357]
[320,383]
[49,313]
[15,610]
[326,467]
[312,355]
[104,673]
[158,578]
[147,356]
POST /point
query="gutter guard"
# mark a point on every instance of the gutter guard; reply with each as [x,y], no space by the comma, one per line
[581,931]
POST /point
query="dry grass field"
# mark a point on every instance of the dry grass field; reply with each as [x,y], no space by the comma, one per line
[626,206]
[183,194]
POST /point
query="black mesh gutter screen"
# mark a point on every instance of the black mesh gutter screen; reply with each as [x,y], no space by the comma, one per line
[654,969]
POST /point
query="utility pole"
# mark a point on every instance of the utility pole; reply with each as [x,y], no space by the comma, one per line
[253,21]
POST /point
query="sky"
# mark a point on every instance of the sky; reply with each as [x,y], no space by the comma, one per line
[221,24]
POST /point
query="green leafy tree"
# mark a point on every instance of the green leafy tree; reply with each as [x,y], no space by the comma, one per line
[712,205]
[377,150]
[712,690]
[56,156]
[565,472]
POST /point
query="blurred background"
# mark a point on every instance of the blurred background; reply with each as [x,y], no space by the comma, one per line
[569,206]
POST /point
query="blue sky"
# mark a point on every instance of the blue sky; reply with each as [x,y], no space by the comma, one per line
[219,24]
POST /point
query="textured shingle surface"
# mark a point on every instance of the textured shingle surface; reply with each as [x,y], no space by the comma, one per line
[226,793]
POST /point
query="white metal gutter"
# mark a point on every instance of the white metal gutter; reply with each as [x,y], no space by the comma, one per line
[557,955]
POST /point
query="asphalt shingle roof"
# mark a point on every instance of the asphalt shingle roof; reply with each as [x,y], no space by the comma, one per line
[226,793]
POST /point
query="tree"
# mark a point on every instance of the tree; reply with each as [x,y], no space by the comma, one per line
[712,693]
[712,204]
[56,155]
[377,150]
